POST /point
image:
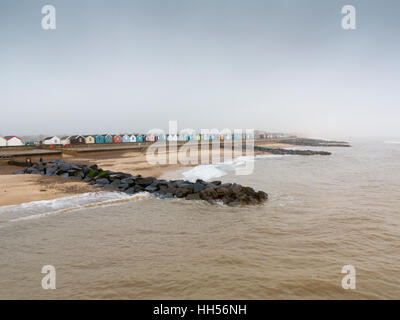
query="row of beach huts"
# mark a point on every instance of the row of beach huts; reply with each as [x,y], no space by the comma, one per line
[126,138]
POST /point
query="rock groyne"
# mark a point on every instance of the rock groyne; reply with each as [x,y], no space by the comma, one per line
[290,151]
[231,194]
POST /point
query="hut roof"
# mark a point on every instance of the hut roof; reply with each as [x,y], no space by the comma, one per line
[10,137]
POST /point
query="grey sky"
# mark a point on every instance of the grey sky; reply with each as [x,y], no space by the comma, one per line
[128,66]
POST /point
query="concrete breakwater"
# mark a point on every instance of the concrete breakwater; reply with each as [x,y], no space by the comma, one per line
[213,192]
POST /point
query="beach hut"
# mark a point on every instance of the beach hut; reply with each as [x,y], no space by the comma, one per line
[3,142]
[99,139]
[126,138]
[77,139]
[150,137]
[89,139]
[172,137]
[14,141]
[32,143]
[108,138]
[117,139]
[132,138]
[65,140]
[52,140]
[139,138]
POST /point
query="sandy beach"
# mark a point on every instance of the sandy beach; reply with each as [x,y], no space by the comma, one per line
[17,189]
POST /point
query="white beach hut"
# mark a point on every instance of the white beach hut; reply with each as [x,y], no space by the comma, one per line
[14,141]
[52,140]
[3,142]
[65,140]
[132,138]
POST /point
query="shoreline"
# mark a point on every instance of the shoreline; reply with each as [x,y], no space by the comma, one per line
[19,189]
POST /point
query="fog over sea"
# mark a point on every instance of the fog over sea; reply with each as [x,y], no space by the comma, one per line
[323,212]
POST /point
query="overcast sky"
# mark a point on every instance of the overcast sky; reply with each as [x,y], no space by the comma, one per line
[129,66]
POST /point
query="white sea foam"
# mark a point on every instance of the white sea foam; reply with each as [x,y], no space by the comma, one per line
[205,172]
[213,171]
[38,209]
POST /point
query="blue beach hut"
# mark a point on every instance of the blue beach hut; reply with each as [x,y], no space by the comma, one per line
[99,139]
[108,138]
[139,138]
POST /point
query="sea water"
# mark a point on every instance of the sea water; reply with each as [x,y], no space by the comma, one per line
[323,212]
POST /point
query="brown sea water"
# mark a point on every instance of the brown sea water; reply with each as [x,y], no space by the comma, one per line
[323,212]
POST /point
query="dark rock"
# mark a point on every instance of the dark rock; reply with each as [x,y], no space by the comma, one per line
[102,181]
[182,192]
[222,192]
[51,171]
[193,196]
[64,166]
[115,183]
[184,184]
[64,175]
[130,190]
[97,185]
[123,187]
[168,195]
[216,183]
[208,194]
[151,188]
[197,187]
[128,181]
[144,182]
[40,166]
[32,171]
[225,185]
[138,188]
[85,170]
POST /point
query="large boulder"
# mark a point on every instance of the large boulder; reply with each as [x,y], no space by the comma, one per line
[197,187]
[208,194]
[102,181]
[182,192]
[144,182]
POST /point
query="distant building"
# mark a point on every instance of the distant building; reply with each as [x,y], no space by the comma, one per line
[89,139]
[150,137]
[172,137]
[77,140]
[108,138]
[139,138]
[117,139]
[126,138]
[14,141]
[32,143]
[3,142]
[65,140]
[52,140]
[99,139]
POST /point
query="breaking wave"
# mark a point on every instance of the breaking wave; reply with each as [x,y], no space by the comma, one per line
[208,172]
[37,209]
